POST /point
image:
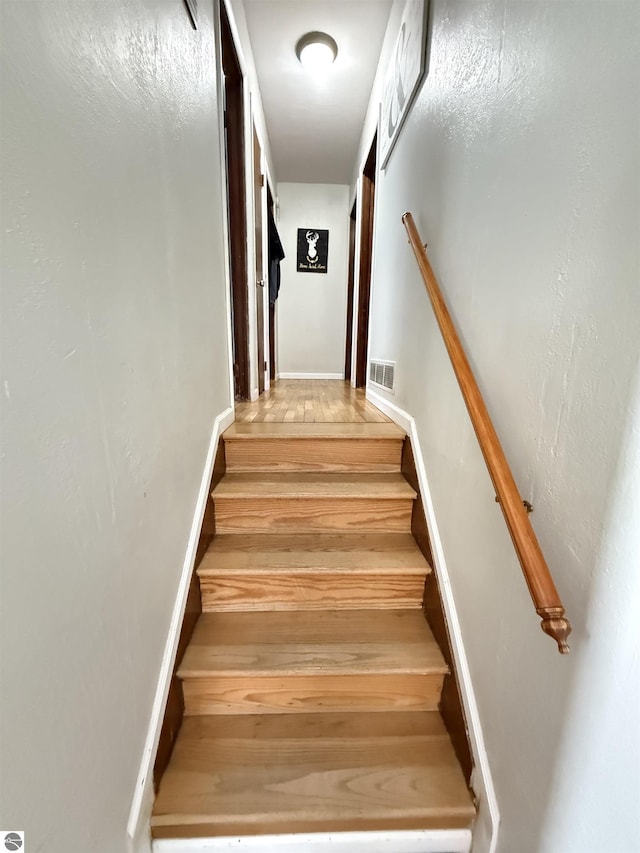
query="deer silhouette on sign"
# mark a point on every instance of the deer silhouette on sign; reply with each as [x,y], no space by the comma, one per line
[312,238]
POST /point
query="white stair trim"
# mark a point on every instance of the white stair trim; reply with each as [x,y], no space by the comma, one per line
[393,841]
[485,829]
[144,784]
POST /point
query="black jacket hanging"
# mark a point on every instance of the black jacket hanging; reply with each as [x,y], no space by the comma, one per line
[276,254]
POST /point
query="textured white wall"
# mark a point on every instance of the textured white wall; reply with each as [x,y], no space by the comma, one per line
[114,366]
[312,307]
[520,163]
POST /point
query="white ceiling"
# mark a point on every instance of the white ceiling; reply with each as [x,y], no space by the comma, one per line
[314,124]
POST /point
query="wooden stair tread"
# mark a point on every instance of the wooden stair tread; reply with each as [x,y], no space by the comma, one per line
[314,772]
[302,643]
[267,553]
[304,484]
[248,431]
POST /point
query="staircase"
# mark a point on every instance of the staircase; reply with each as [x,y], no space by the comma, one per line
[312,681]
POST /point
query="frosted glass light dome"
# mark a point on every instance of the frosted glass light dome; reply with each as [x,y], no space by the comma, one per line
[316,51]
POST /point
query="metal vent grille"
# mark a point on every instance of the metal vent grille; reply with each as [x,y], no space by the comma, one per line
[382,373]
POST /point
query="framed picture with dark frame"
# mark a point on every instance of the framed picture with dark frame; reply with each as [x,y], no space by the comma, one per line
[192,8]
[404,75]
[313,250]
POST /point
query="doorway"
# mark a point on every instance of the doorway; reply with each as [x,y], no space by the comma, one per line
[258,183]
[235,161]
[348,350]
[368,184]
[272,305]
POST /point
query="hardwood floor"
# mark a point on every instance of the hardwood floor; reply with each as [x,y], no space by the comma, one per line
[330,401]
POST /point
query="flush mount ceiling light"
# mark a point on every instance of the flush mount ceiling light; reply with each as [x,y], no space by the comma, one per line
[316,51]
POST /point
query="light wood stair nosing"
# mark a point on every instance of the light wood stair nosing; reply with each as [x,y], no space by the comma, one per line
[221,571]
[291,671]
[313,486]
[329,431]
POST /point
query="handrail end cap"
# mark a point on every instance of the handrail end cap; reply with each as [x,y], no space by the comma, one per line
[556,626]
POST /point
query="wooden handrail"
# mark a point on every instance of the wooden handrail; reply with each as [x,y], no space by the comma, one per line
[536,572]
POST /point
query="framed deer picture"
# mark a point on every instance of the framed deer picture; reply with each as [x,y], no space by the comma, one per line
[313,250]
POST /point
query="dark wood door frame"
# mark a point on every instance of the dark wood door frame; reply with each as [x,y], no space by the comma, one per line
[236,205]
[348,350]
[366,254]
[260,278]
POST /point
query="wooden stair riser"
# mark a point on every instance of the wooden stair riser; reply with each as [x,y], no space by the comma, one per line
[307,515]
[299,694]
[313,454]
[310,591]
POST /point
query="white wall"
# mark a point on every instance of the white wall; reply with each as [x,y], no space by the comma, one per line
[114,366]
[520,163]
[312,307]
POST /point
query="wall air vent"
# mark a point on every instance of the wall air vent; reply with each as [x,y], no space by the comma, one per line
[382,373]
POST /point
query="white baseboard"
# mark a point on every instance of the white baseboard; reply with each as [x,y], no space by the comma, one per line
[397,841]
[311,376]
[390,409]
[485,831]
[145,781]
